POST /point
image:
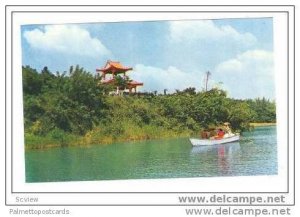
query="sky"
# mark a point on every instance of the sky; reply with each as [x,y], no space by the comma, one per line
[171,55]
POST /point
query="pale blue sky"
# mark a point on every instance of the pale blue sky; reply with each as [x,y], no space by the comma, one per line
[164,54]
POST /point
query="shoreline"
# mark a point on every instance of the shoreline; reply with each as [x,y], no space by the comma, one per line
[81,142]
[262,124]
[85,142]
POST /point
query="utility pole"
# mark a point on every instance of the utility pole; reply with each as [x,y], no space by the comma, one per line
[165,91]
[208,74]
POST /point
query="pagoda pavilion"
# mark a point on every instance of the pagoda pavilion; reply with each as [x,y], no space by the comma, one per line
[113,69]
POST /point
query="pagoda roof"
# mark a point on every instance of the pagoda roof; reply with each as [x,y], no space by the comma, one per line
[115,66]
[108,81]
[130,84]
[136,83]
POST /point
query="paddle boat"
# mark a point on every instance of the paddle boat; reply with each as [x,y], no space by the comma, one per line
[215,141]
[223,135]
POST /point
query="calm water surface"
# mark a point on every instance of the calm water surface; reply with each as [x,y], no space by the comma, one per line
[255,154]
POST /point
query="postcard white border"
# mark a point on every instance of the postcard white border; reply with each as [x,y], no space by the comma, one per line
[277,183]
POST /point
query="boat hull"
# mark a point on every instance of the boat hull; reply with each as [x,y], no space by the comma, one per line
[201,142]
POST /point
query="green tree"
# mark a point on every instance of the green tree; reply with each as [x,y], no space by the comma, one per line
[32,81]
[71,103]
[264,110]
[240,115]
[121,82]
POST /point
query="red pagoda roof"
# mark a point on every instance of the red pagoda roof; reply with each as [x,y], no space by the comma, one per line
[114,67]
[135,83]
[131,83]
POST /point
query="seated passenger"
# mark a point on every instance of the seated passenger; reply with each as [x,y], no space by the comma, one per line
[220,134]
[204,134]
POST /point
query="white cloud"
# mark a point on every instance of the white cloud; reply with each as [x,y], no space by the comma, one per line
[69,39]
[248,75]
[207,30]
[159,79]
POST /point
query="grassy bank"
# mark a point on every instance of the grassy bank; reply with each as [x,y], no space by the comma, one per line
[262,124]
[102,136]
[99,136]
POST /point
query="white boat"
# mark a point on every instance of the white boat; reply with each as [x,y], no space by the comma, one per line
[199,142]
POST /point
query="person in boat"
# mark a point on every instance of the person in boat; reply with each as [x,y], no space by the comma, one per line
[208,133]
[220,134]
[227,129]
[204,134]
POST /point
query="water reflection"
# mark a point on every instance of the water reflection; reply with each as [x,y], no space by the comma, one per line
[224,155]
[230,147]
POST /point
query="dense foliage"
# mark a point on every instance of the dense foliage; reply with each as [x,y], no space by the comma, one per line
[74,108]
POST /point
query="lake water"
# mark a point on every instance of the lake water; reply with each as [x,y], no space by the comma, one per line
[255,154]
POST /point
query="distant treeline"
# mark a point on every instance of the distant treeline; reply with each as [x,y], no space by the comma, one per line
[72,108]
